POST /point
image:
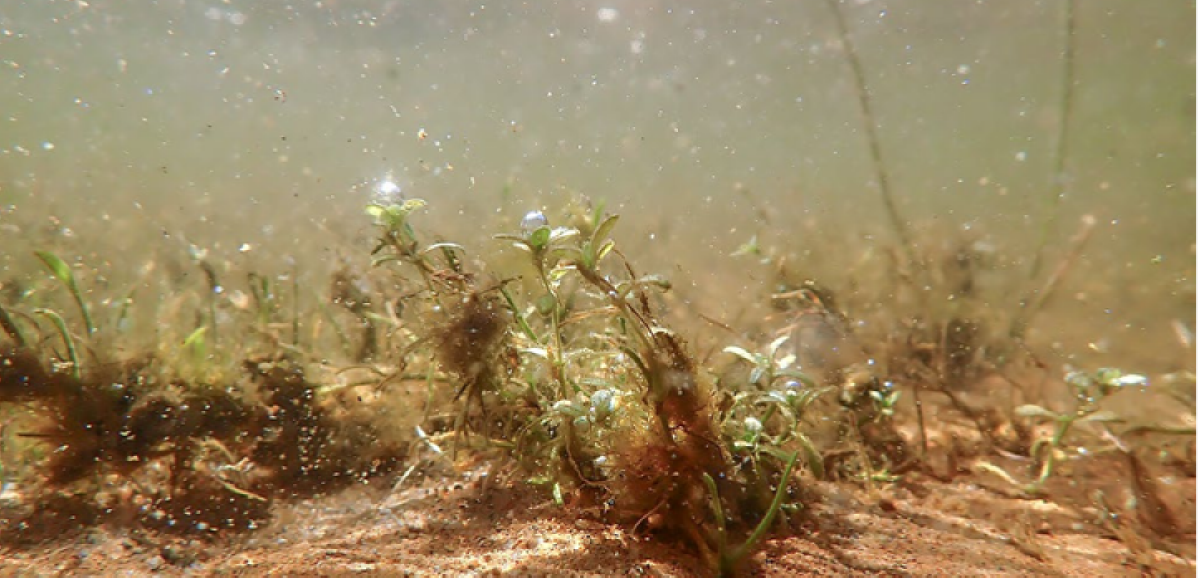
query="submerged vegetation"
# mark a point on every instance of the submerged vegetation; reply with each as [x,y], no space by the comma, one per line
[550,357]
[558,365]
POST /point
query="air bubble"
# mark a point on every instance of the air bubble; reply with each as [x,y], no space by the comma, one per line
[533,221]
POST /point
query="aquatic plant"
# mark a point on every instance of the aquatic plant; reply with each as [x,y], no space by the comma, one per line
[565,368]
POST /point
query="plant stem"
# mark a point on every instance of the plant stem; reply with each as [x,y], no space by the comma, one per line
[1054,202]
[295,307]
[521,321]
[61,325]
[556,355]
[864,101]
[10,327]
[63,273]
[1031,305]
[764,525]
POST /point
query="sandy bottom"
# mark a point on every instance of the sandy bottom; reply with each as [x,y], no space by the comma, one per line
[464,525]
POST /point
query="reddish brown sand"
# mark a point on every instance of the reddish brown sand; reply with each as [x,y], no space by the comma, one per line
[918,527]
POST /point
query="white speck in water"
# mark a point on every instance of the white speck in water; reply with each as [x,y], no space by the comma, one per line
[245,247]
[1021,156]
[607,14]
[963,69]
[47,146]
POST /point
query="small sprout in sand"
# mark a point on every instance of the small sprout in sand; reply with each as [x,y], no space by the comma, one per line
[1090,391]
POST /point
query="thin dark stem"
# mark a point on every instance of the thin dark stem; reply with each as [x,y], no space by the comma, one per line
[1058,185]
[864,101]
[1036,301]
[295,307]
[921,421]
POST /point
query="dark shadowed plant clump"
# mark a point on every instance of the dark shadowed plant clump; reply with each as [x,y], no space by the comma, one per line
[128,442]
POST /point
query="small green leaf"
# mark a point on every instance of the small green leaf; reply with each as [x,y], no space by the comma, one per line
[812,456]
[597,214]
[758,373]
[605,228]
[445,246]
[742,353]
[560,233]
[536,351]
[773,348]
[393,216]
[546,304]
[587,256]
[521,321]
[540,238]
[62,272]
[605,248]
[558,273]
[568,408]
[57,267]
[195,338]
[61,326]
[653,280]
[1034,411]
[411,205]
[376,211]
[1104,416]
[748,248]
[381,259]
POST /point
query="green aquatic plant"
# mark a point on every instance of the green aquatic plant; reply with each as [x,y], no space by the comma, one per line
[579,380]
[9,325]
[1090,391]
[561,365]
[69,342]
[731,560]
[542,243]
[63,273]
[398,240]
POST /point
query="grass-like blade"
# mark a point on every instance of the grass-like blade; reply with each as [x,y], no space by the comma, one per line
[63,273]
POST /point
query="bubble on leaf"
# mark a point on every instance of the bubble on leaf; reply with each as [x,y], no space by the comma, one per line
[533,221]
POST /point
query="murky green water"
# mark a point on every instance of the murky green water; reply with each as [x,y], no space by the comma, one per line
[259,130]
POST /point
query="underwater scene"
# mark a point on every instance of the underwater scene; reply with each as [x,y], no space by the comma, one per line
[592,288]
